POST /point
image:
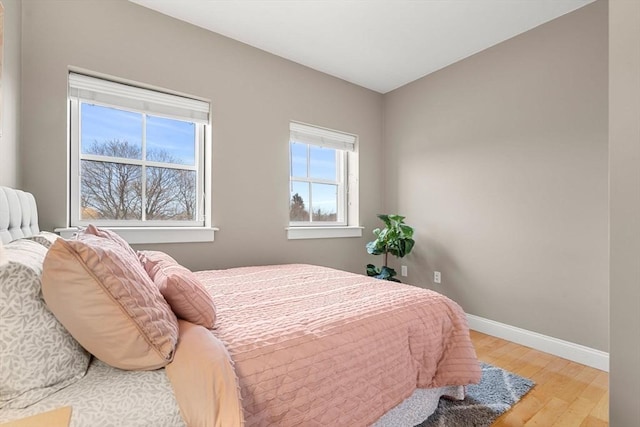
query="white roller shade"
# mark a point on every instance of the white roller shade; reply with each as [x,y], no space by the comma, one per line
[321,137]
[92,89]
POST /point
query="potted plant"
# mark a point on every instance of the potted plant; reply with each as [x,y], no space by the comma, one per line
[395,239]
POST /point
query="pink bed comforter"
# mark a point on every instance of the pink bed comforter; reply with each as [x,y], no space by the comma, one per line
[313,346]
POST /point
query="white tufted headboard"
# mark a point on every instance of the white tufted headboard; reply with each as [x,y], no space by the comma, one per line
[18,215]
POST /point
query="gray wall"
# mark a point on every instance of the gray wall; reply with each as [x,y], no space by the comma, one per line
[624,153]
[254,96]
[500,163]
[508,149]
[9,142]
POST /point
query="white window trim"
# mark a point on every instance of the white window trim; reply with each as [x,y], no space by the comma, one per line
[350,226]
[150,235]
[299,233]
[200,230]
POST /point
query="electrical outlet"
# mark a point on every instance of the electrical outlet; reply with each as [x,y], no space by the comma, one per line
[403,271]
[437,277]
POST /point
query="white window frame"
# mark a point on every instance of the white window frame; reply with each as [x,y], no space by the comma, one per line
[339,182]
[345,144]
[133,97]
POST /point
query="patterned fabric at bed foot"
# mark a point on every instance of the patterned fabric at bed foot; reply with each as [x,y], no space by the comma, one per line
[110,397]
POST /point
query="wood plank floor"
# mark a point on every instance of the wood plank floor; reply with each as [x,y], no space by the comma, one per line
[566,393]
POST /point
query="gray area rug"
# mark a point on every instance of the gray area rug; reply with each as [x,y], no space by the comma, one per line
[497,392]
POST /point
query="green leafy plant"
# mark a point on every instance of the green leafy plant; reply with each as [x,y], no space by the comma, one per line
[395,239]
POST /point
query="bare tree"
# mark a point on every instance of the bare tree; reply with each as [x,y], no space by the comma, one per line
[186,189]
[319,215]
[161,188]
[114,190]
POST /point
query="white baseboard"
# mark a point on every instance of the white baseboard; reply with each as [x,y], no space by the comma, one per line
[565,349]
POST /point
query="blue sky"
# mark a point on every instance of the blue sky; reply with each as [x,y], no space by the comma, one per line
[175,137]
[322,164]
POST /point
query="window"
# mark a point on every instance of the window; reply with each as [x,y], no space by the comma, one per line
[137,156]
[323,181]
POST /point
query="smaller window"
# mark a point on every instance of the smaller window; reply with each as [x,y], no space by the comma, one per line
[323,174]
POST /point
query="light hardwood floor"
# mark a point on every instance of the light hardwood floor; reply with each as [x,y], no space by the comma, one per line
[566,393]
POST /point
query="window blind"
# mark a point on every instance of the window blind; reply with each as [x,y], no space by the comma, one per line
[92,89]
[322,137]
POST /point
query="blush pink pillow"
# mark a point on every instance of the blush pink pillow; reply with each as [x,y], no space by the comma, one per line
[105,299]
[105,233]
[187,297]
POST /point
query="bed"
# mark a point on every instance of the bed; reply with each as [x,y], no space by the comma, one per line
[291,345]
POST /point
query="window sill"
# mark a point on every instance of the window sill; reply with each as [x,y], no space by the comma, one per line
[295,233]
[145,235]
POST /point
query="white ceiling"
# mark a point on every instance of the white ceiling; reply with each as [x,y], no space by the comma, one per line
[378,44]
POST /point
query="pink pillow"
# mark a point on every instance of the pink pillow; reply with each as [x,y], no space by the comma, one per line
[105,299]
[109,235]
[187,297]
